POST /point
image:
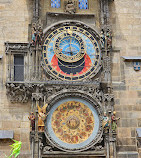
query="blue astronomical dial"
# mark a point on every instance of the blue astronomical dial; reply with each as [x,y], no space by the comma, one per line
[72,53]
[70,46]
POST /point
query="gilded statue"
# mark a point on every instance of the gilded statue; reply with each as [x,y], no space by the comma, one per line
[41,117]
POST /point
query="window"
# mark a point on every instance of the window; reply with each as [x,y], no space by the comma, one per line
[137,66]
[18,68]
[55,4]
[83,4]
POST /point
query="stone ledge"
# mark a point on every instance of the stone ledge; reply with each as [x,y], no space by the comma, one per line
[127,154]
[131,58]
[5,134]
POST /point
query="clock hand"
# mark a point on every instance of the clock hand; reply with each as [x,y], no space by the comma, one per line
[66,52]
[70,43]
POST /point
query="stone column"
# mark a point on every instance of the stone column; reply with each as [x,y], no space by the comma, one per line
[32,139]
[36,97]
[106,140]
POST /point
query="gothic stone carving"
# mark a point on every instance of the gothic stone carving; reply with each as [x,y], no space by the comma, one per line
[70,6]
[20,47]
[37,34]
[24,92]
[19,92]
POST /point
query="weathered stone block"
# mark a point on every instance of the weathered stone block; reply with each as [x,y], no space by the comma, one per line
[126,141]
[4,134]
[129,122]
[119,88]
[122,155]
[117,101]
[126,148]
[25,124]
[124,132]
[25,147]
[133,132]
[5,1]
[132,155]
[139,94]
[139,122]
[127,107]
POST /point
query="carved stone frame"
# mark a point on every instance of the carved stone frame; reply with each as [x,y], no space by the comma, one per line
[94,32]
[79,94]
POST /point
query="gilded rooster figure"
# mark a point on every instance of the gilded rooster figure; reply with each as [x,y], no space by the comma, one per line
[41,117]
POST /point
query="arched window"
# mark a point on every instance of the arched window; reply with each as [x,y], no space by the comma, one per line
[55,3]
[83,4]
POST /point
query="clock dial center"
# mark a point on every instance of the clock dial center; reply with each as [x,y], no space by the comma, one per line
[69,47]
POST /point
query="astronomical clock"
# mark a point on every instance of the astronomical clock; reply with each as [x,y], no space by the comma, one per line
[72,54]
[65,73]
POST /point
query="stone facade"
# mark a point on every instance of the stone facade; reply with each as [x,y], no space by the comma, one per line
[125,19]
[126,81]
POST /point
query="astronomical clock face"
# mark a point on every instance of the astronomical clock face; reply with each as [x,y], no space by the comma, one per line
[73,123]
[71,53]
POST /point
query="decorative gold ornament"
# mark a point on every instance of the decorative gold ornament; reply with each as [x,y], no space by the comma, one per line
[73,122]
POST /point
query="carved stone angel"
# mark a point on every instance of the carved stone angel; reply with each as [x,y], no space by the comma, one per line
[41,117]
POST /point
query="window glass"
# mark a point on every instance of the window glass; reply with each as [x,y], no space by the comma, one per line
[83,4]
[18,68]
[55,4]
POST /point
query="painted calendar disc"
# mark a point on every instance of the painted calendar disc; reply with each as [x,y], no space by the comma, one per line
[73,123]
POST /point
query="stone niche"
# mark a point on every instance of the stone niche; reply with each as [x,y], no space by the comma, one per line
[89,16]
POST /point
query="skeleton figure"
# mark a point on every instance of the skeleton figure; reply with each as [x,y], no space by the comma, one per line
[41,117]
[102,38]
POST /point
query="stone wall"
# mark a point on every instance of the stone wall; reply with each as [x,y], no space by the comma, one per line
[126,22]
[90,16]
[15,16]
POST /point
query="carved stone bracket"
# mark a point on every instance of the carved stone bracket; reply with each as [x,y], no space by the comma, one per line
[13,47]
[34,136]
[19,92]
[37,96]
[40,137]
[108,97]
[22,92]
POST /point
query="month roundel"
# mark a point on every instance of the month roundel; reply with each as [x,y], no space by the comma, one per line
[73,123]
[71,53]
